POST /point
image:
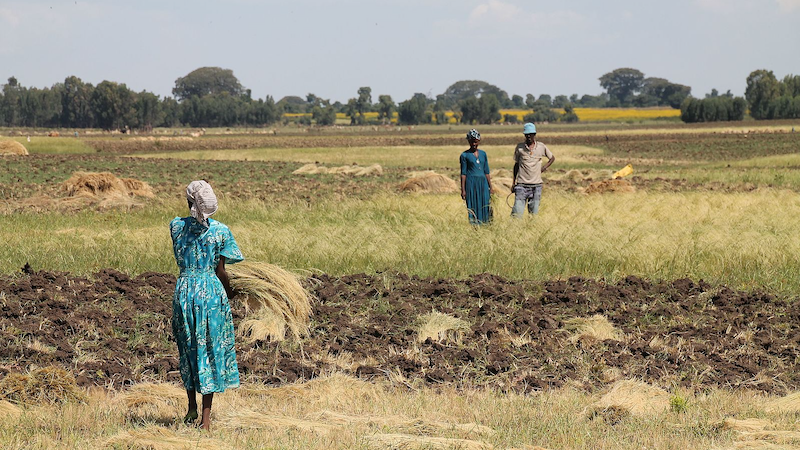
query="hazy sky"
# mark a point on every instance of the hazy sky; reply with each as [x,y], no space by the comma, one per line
[398,47]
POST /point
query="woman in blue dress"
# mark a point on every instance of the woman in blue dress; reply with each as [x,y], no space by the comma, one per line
[476,183]
[201,314]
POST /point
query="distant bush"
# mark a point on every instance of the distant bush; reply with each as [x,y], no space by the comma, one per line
[713,109]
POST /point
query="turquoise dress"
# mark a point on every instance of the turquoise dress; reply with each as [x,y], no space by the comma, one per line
[202,322]
[479,208]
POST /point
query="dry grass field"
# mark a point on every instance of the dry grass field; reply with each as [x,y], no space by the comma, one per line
[661,317]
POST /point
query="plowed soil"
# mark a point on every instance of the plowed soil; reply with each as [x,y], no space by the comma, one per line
[112,329]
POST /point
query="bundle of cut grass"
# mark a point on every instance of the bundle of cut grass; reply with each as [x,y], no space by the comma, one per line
[573,175]
[158,438]
[352,170]
[595,328]
[274,296]
[430,183]
[612,186]
[153,399]
[9,410]
[249,419]
[502,185]
[630,397]
[334,389]
[415,426]
[441,327]
[104,184]
[43,385]
[501,173]
[789,403]
[8,147]
[398,441]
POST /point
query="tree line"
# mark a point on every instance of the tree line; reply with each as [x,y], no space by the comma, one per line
[766,97]
[214,97]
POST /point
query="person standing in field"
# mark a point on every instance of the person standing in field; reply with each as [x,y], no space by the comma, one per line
[528,170]
[202,322]
[476,183]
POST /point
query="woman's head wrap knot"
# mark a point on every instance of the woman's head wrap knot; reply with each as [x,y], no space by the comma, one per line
[473,135]
[202,199]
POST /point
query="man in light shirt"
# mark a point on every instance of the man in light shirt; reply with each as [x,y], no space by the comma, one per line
[528,170]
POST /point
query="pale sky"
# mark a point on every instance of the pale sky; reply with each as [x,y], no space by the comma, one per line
[398,47]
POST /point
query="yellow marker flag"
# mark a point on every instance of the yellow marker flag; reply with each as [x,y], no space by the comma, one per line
[624,172]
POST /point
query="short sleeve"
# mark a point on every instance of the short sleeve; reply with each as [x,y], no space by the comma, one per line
[230,250]
[463,161]
[486,163]
[547,152]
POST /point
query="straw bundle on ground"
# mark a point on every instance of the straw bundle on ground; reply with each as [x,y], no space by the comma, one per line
[501,173]
[9,410]
[612,186]
[502,185]
[441,327]
[415,426]
[789,403]
[44,385]
[573,175]
[595,328]
[411,442]
[153,399]
[352,170]
[746,424]
[247,418]
[430,183]
[337,388]
[104,184]
[157,438]
[263,286]
[630,397]
[8,147]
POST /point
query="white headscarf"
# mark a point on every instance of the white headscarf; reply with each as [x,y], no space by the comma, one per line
[204,202]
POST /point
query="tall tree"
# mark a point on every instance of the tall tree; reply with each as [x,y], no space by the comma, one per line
[665,92]
[622,84]
[205,81]
[76,107]
[386,108]
[762,89]
[113,104]
[414,110]
[461,90]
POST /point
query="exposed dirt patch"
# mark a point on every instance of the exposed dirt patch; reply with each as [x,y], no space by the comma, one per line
[114,329]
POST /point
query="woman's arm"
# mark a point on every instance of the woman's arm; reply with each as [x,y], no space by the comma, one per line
[223,277]
[463,187]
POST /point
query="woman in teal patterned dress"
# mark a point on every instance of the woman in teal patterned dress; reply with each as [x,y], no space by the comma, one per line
[201,314]
[476,183]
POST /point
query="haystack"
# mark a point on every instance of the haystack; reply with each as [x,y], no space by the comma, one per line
[595,328]
[630,397]
[8,147]
[573,175]
[440,327]
[612,186]
[415,426]
[9,410]
[430,183]
[105,184]
[43,385]
[338,389]
[275,298]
